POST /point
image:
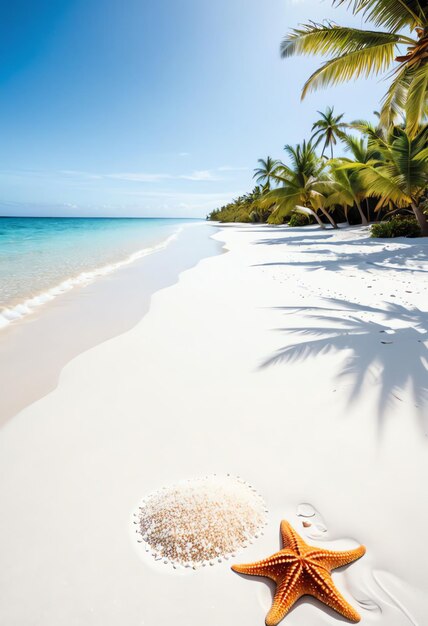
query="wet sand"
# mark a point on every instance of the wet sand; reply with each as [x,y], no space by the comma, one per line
[34,350]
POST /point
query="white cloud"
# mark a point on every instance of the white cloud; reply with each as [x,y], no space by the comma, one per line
[154,177]
[196,175]
[228,168]
[200,175]
[87,175]
[203,201]
[84,177]
[138,177]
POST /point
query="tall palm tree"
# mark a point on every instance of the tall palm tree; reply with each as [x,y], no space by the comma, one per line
[356,52]
[329,128]
[267,170]
[401,176]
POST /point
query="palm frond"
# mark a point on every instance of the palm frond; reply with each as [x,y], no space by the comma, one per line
[358,147]
[379,183]
[376,136]
[409,173]
[391,14]
[394,101]
[284,199]
[332,39]
[360,63]
[416,105]
[422,155]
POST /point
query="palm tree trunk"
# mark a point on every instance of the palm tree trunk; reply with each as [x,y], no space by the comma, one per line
[316,217]
[328,216]
[324,148]
[346,211]
[368,209]
[364,221]
[422,220]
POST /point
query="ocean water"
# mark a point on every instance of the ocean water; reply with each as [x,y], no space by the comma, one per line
[40,258]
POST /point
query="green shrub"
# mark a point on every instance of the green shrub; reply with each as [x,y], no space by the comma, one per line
[397,226]
[298,219]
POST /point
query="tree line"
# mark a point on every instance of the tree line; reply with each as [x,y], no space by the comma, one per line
[385,168]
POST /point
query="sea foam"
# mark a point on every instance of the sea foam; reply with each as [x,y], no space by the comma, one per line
[29,306]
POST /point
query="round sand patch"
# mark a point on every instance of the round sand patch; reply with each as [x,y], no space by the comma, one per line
[200,521]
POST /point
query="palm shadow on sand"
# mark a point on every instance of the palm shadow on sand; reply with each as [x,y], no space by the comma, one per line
[358,253]
[380,259]
[393,359]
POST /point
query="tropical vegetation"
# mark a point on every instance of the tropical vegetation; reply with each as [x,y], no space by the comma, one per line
[361,52]
[397,226]
[381,169]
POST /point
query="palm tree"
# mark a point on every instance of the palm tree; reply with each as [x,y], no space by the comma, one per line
[257,212]
[401,176]
[359,148]
[345,188]
[299,193]
[363,151]
[267,170]
[329,128]
[298,185]
[356,52]
[304,161]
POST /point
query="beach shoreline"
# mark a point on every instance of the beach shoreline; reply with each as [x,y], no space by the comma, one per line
[92,311]
[296,362]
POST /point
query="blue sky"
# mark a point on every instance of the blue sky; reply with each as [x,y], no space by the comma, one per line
[142,108]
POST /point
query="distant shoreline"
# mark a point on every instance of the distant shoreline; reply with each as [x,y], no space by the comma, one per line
[103,217]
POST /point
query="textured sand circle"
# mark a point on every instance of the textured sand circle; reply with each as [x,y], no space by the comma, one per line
[200,521]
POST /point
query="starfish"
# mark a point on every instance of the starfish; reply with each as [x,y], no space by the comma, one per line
[300,569]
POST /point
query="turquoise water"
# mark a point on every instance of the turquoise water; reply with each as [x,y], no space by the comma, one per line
[42,257]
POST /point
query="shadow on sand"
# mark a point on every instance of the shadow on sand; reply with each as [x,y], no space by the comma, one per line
[309,238]
[393,359]
[380,257]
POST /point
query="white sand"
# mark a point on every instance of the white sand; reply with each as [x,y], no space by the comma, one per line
[209,381]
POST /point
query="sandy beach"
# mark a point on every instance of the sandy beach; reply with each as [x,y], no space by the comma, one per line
[297,360]
[91,314]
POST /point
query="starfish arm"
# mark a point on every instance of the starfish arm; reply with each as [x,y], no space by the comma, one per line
[272,568]
[331,560]
[322,587]
[300,569]
[290,539]
[287,593]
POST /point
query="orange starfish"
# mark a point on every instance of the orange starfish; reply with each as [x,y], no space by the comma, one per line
[300,569]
